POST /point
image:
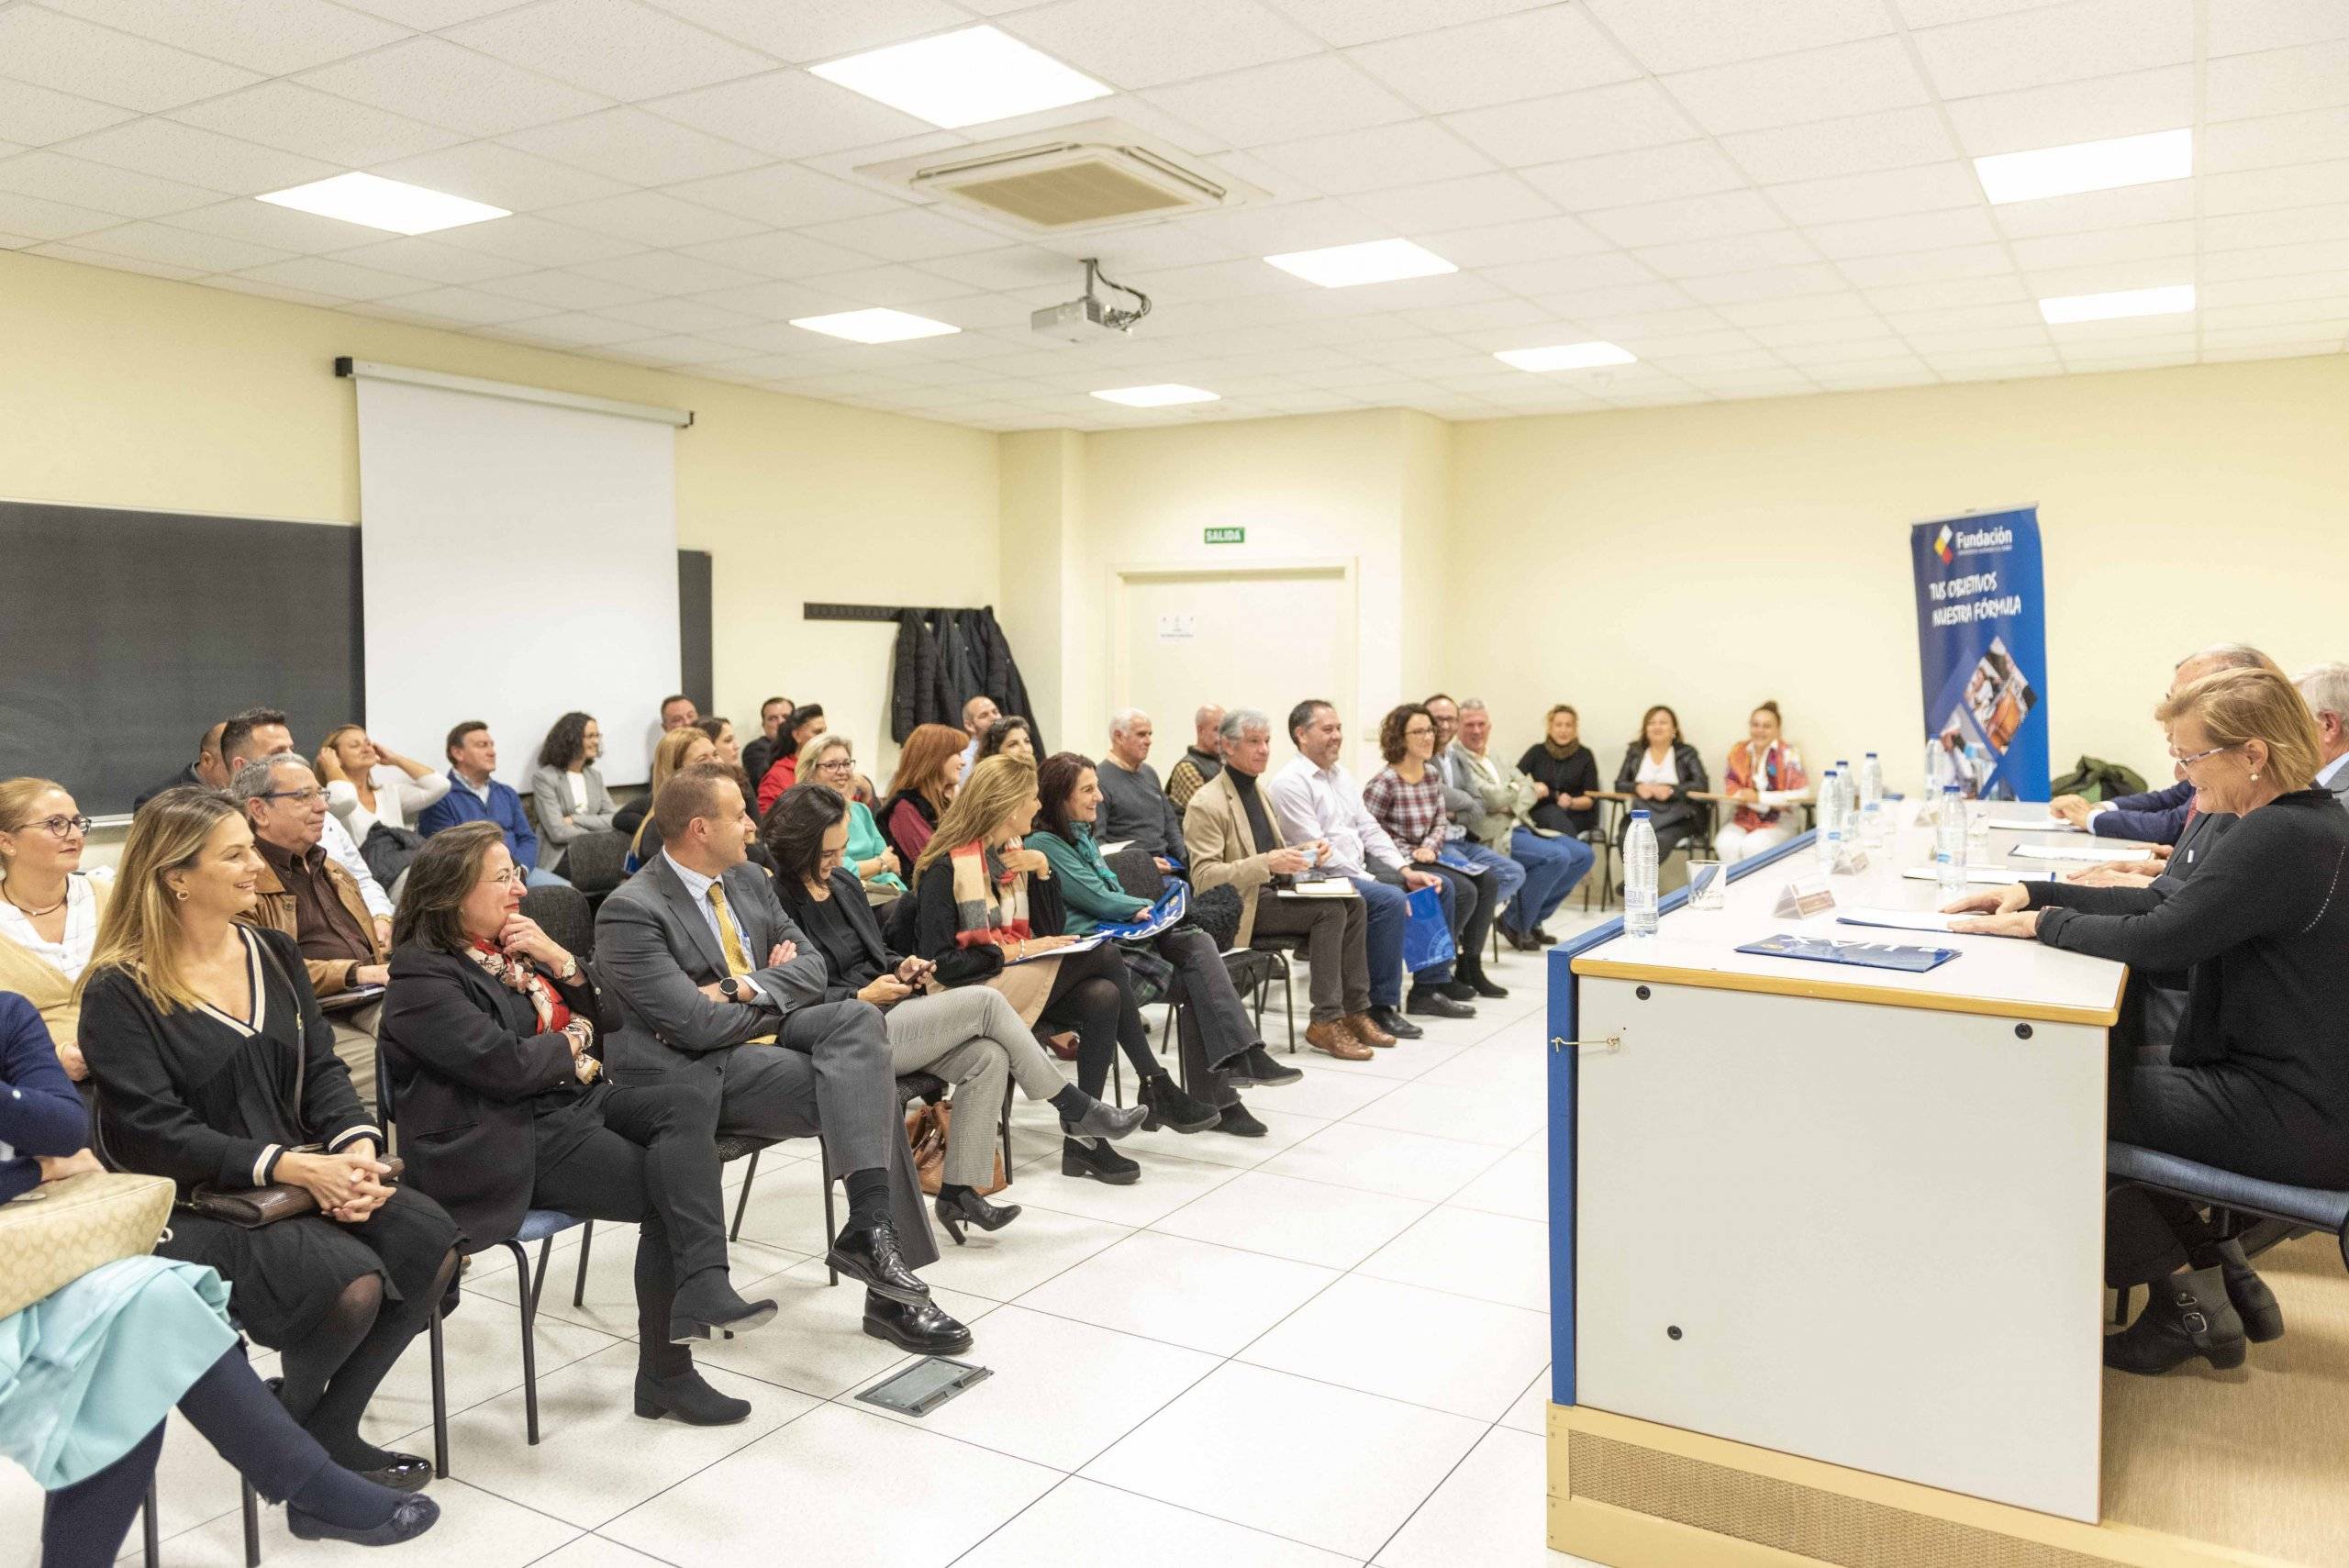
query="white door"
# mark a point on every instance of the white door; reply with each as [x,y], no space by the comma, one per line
[1266,640]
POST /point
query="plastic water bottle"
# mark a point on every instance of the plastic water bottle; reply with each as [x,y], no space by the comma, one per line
[1851,777]
[1638,877]
[1949,845]
[1831,818]
[1872,800]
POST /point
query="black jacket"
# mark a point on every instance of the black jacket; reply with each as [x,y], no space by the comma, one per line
[936,927]
[1690,768]
[943,659]
[853,959]
[1577,774]
[186,776]
[482,1097]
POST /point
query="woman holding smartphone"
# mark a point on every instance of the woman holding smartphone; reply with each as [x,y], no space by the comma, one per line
[970,1035]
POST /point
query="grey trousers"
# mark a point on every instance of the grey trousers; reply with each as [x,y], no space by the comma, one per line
[831,1077]
[973,1038]
[354,1043]
[1215,1026]
[1336,933]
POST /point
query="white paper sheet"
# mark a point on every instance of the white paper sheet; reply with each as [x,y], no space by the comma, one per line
[1897,919]
[1982,876]
[2087,852]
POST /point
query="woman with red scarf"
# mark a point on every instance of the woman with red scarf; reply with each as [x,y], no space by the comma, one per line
[1764,777]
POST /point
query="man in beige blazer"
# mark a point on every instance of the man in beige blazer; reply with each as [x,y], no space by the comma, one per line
[1235,840]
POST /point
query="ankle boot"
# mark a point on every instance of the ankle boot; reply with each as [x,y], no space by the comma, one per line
[1084,1157]
[1172,1105]
[2187,1314]
[2262,1320]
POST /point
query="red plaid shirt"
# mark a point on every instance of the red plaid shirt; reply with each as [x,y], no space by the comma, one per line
[1412,813]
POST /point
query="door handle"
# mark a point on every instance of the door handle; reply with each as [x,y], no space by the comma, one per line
[1609,1045]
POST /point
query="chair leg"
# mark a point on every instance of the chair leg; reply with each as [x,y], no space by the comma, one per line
[579,1285]
[533,1281]
[440,1363]
[1003,1131]
[742,1198]
[251,1502]
[825,1156]
[2120,1297]
[1288,1002]
[151,1533]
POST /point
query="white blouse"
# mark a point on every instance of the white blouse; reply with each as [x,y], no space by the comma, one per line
[1667,771]
[575,785]
[72,954]
[399,801]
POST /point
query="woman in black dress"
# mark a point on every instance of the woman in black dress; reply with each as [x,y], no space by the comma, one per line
[486,1027]
[2257,1080]
[214,1067]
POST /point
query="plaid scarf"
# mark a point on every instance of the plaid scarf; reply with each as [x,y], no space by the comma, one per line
[990,901]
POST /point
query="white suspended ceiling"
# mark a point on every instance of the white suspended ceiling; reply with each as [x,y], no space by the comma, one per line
[1755,197]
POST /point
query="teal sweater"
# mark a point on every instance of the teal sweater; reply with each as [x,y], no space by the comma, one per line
[1088,887]
[865,843]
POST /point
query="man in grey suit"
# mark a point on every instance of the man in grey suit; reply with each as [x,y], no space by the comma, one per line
[675,944]
[2326,687]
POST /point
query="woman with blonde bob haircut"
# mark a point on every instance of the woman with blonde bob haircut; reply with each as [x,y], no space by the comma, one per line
[987,913]
[2257,1080]
[215,1068]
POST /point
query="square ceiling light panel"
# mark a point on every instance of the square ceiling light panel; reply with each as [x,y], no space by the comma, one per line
[1373,262]
[1566,357]
[378,203]
[875,326]
[1162,395]
[2087,166]
[964,78]
[2173,299]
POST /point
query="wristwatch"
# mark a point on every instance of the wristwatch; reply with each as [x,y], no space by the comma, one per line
[570,970]
[731,988]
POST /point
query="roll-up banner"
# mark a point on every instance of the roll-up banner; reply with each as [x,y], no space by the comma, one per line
[1982,651]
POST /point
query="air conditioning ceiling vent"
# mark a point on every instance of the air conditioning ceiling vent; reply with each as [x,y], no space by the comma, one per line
[1072,177]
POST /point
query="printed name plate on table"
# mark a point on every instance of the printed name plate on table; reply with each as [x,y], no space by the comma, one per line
[2077,852]
[1863,955]
[1986,876]
[1075,944]
[1171,905]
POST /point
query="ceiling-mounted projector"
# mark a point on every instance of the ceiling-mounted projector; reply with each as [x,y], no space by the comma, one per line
[1090,319]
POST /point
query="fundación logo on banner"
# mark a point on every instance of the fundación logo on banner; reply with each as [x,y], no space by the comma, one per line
[1949,544]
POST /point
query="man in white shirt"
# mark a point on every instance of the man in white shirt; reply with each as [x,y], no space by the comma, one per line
[260,732]
[2326,687]
[977,714]
[1315,798]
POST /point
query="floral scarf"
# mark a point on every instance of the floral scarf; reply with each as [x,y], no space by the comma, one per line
[518,974]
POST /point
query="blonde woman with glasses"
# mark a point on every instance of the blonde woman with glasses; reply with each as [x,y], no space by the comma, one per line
[48,907]
[830,760]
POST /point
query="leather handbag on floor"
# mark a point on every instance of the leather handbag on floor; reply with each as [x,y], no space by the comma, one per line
[926,1128]
[59,1231]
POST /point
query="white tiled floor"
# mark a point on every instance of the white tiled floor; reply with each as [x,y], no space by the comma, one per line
[1324,1347]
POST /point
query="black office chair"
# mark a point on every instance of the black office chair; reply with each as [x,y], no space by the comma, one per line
[562,912]
[591,863]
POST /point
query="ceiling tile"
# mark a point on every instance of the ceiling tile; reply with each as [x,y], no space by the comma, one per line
[585,330]
[1928,266]
[806,30]
[434,81]
[471,306]
[1105,38]
[294,118]
[1417,211]
[1824,339]
[67,55]
[275,39]
[1315,95]
[2099,246]
[1772,283]
[280,228]
[1687,35]
[910,234]
[1892,139]
[2272,190]
[1946,295]
[677,349]
[2060,283]
[34,117]
[2277,260]
[789,113]
[427,15]
[1692,217]
[236,282]
[2168,202]
[2279,82]
[649,217]
[2299,226]
[2311,136]
[1410,153]
[528,237]
[1649,174]
[1911,232]
[1531,54]
[196,157]
[631,145]
[1820,83]
[779,255]
[675,315]
[2057,43]
[1013,267]
[2246,26]
[182,248]
[2073,112]
[1940,13]
[887,285]
[2019,312]
[337,280]
[55,177]
[428,258]
[502,176]
[1849,197]
[1345,22]
[560,290]
[62,252]
[1501,244]
[1575,125]
[615,48]
[35,218]
[1744,252]
[662,273]
[783,194]
[1621,299]
[1846,306]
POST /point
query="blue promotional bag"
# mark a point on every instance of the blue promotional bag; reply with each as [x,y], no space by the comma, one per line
[1426,936]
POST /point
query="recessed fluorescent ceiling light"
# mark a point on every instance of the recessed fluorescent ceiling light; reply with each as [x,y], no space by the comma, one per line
[2087,166]
[875,326]
[384,204]
[1165,394]
[1566,357]
[962,78]
[2172,300]
[1374,262]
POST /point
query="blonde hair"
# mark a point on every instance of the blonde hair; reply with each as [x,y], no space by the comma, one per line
[139,933]
[16,797]
[2235,706]
[668,760]
[812,754]
[996,788]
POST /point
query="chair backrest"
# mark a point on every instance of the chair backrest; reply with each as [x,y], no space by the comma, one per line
[593,861]
[1138,873]
[562,912]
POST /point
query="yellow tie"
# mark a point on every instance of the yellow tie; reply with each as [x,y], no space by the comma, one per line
[737,961]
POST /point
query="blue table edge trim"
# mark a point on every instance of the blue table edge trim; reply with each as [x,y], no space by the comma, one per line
[1564,1082]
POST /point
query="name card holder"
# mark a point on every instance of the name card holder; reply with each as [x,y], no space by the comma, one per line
[1803,897]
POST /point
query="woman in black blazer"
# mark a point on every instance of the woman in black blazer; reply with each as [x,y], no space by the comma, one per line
[487,1026]
[1660,769]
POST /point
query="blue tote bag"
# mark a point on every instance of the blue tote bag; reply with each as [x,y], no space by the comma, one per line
[1426,936]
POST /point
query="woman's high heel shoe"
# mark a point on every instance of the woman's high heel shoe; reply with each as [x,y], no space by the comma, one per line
[967,1207]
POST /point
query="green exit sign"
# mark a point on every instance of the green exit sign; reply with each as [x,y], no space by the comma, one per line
[1227,536]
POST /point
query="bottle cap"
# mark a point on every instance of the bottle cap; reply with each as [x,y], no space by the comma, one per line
[1639,816]
[1871,756]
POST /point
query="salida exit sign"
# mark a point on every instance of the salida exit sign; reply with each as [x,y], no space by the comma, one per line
[1227,536]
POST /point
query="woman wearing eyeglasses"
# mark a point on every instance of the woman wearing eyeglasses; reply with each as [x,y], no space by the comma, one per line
[49,911]
[830,760]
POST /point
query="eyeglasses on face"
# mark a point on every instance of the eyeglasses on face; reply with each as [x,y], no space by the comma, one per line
[298,796]
[512,876]
[837,765]
[57,827]
[2198,756]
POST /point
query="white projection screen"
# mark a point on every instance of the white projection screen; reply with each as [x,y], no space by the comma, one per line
[519,559]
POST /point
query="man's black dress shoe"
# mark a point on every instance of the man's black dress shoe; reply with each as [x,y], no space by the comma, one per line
[1429,1002]
[924,1330]
[1392,1021]
[869,1255]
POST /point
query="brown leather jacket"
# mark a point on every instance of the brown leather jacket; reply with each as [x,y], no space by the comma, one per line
[275,909]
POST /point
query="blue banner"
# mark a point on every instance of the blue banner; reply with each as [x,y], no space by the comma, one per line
[1982,651]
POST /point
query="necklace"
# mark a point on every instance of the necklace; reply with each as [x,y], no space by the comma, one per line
[36,913]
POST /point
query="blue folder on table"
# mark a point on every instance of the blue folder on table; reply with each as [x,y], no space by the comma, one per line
[1863,955]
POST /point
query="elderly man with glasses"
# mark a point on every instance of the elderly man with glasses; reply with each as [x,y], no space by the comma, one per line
[306,893]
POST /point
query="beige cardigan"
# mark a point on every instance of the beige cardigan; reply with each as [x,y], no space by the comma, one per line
[44,984]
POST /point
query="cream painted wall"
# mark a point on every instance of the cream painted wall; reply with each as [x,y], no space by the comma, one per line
[118,389]
[1710,557]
